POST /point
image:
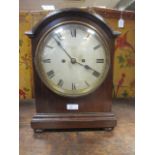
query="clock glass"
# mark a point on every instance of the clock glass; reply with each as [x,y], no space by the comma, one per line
[72,59]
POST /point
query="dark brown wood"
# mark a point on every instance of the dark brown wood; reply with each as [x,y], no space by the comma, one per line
[94,109]
[73,120]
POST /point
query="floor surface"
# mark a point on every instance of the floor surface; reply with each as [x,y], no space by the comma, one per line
[120,141]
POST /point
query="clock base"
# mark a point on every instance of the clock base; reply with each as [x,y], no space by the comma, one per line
[73,120]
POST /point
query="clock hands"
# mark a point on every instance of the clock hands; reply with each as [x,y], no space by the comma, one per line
[96,73]
[74,60]
[59,44]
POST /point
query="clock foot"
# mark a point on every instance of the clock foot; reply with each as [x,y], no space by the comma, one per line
[108,129]
[38,130]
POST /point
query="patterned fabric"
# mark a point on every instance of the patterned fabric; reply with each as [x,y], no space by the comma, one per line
[25,59]
[124,60]
[124,57]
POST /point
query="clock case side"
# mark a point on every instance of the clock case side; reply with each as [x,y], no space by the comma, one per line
[95,108]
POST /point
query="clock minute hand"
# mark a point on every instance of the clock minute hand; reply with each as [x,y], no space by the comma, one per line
[59,44]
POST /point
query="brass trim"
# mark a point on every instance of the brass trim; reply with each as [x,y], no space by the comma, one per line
[73,93]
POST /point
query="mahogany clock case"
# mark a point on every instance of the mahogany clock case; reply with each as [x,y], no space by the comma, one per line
[94,109]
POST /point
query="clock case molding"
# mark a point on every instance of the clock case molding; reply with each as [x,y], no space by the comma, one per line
[94,109]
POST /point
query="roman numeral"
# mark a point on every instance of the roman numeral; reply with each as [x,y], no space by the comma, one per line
[99,60]
[59,36]
[73,33]
[96,74]
[49,46]
[60,83]
[46,61]
[73,86]
[87,83]
[88,35]
[50,74]
[96,47]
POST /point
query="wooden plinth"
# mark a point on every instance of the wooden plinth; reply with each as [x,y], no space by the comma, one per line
[73,120]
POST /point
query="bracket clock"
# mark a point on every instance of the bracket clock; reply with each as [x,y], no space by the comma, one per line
[72,52]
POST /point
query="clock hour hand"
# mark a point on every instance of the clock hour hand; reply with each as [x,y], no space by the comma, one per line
[96,73]
[59,44]
[85,66]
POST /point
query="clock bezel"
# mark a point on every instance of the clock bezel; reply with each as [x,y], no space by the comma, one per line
[75,93]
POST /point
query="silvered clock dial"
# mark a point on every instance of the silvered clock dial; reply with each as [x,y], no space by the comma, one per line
[72,59]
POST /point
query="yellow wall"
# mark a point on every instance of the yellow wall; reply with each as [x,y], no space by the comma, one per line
[25,65]
[124,59]
[124,66]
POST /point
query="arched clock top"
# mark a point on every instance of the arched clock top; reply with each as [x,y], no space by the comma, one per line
[71,14]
